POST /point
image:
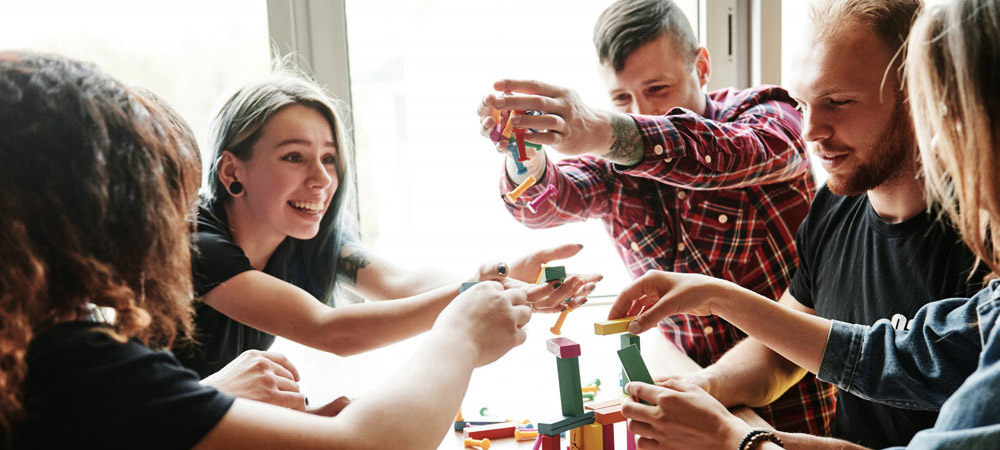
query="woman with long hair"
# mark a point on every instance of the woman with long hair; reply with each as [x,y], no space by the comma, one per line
[96,203]
[948,358]
[277,234]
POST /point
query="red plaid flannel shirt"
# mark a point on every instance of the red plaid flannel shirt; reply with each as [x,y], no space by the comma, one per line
[721,195]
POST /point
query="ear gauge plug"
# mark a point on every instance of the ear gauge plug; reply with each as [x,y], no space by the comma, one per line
[235,188]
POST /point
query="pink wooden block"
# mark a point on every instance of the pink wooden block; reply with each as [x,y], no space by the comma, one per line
[629,439]
[609,436]
[563,348]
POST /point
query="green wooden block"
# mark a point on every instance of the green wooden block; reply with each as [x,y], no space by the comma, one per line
[569,386]
[634,366]
[565,424]
[555,273]
[630,339]
[466,285]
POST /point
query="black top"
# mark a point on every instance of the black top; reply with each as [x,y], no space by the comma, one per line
[84,389]
[857,268]
[216,259]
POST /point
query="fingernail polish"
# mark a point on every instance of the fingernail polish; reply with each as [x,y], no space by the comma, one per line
[584,301]
[580,245]
[556,286]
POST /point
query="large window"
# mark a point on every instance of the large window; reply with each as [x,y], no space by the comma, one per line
[428,181]
[190,52]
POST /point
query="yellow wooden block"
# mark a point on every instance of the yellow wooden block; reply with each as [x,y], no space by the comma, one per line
[613,326]
[593,437]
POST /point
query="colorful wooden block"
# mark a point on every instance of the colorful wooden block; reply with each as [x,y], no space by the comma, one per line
[555,272]
[593,437]
[465,286]
[527,183]
[565,423]
[634,366]
[512,148]
[576,439]
[629,439]
[609,415]
[557,328]
[495,431]
[604,404]
[569,386]
[550,442]
[608,435]
[549,191]
[563,348]
[630,339]
[613,326]
[522,153]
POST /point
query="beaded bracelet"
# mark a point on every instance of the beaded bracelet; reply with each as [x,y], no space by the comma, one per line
[757,437]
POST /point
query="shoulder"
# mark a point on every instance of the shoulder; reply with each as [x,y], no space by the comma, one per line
[81,377]
[216,256]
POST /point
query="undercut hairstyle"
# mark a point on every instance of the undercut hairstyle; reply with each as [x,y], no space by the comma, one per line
[952,69]
[627,25]
[238,126]
[96,195]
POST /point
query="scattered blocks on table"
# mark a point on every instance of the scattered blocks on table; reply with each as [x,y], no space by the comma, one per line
[569,386]
[562,347]
[593,437]
[495,431]
[525,435]
[465,286]
[483,444]
[565,423]
[613,326]
[527,183]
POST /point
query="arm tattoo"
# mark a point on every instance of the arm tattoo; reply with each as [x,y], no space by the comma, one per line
[626,149]
[351,264]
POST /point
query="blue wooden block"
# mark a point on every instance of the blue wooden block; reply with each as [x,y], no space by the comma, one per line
[466,286]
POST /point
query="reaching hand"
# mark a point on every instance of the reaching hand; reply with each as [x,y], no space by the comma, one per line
[576,286]
[681,416]
[487,318]
[262,376]
[662,294]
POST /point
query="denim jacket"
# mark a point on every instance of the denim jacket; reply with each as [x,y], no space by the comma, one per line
[949,360]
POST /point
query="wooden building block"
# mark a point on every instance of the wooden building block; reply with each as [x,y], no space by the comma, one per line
[555,273]
[613,326]
[495,431]
[604,404]
[629,439]
[633,364]
[563,348]
[576,439]
[630,339]
[569,386]
[608,435]
[550,442]
[593,437]
[565,423]
[609,415]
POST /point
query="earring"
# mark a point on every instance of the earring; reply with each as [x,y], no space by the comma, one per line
[235,188]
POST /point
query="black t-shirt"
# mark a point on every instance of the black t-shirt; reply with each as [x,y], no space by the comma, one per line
[84,389]
[857,268]
[220,339]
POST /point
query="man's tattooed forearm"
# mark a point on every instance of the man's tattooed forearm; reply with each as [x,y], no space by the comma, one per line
[626,148]
[351,264]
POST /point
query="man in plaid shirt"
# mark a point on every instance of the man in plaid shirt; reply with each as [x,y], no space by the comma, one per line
[715,184]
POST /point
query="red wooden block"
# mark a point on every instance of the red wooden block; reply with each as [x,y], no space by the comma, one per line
[522,153]
[550,442]
[563,348]
[609,437]
[496,431]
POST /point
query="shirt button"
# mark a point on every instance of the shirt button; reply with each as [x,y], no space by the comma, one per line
[723,218]
[658,149]
[635,247]
[708,159]
[680,247]
[669,160]
[682,195]
[709,329]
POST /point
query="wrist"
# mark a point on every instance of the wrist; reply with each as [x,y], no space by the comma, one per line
[760,439]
